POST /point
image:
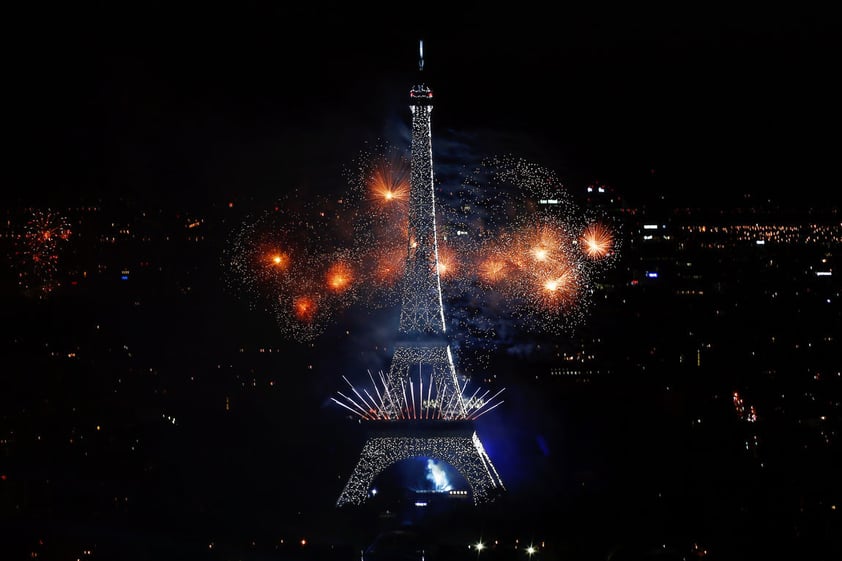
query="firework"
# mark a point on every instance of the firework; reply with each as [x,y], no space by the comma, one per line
[39,250]
[388,183]
[597,240]
[513,249]
[284,262]
[448,262]
[529,251]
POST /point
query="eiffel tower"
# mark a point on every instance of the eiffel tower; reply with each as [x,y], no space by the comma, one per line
[440,422]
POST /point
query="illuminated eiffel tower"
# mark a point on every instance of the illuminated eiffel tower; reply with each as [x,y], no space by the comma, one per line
[406,418]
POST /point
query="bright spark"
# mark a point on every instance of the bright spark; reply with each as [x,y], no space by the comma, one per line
[305,307]
[390,183]
[597,240]
[339,277]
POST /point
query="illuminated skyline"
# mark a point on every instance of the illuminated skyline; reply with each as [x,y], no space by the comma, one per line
[149,413]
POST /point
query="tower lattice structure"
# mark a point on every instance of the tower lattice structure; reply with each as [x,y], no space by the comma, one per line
[422,343]
[439,423]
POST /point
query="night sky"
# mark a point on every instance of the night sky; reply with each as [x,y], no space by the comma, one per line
[201,101]
[220,110]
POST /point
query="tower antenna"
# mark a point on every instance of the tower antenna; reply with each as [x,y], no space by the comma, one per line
[421,54]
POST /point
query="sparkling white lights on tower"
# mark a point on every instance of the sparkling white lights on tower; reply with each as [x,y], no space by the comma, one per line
[465,453]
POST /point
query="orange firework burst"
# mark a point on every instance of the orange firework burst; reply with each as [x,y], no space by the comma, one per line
[278,259]
[536,245]
[544,243]
[493,269]
[557,288]
[390,183]
[597,240]
[540,253]
[448,263]
[304,308]
[339,277]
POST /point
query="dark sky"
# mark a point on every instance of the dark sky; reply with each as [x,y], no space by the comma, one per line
[202,102]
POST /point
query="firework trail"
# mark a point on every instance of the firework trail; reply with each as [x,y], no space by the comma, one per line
[515,251]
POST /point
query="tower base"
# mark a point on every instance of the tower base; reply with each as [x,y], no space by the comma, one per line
[454,442]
